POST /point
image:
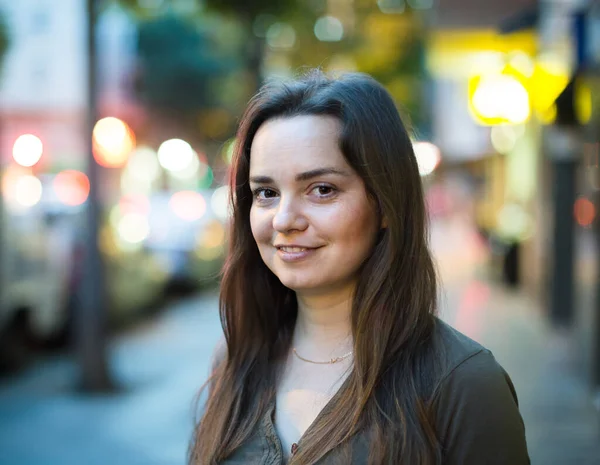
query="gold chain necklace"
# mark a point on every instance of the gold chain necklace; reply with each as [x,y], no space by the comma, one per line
[329,362]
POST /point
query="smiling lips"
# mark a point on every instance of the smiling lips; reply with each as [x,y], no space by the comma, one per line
[294,253]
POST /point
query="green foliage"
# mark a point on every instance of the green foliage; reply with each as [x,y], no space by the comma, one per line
[4,40]
[176,65]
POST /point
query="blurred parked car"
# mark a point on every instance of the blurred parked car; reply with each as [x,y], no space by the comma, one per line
[41,262]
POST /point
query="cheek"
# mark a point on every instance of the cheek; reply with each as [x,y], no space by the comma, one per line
[356,219]
[259,224]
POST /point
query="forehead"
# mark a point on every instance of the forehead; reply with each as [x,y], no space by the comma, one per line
[297,143]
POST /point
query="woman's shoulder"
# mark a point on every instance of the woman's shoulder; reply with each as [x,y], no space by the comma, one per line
[477,413]
[468,367]
[454,347]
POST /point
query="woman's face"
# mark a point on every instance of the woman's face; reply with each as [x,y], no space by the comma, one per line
[311,217]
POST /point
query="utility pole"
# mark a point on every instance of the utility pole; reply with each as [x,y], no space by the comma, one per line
[91,318]
[566,139]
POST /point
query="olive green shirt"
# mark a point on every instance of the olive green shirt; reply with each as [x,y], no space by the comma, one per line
[477,416]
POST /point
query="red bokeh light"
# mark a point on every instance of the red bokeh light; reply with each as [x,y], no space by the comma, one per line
[71,187]
[584,211]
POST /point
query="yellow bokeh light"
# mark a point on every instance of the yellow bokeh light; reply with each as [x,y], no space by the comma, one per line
[113,142]
[133,228]
[583,103]
[498,99]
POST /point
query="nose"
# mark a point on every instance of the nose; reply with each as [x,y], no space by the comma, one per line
[289,217]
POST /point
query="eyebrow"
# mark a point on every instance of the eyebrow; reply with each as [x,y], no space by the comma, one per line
[306,176]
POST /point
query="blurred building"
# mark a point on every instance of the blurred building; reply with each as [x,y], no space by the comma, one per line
[43,86]
[44,79]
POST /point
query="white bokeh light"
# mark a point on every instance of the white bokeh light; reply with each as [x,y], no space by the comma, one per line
[27,150]
[27,191]
[219,203]
[143,164]
[428,157]
[329,29]
[502,97]
[175,155]
[133,228]
[190,170]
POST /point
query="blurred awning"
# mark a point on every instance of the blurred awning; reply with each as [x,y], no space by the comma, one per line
[471,33]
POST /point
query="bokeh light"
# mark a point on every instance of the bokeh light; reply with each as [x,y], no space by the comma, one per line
[219,202]
[27,191]
[143,164]
[27,150]
[71,187]
[210,241]
[133,228]
[207,178]
[193,168]
[134,203]
[134,185]
[329,29]
[514,222]
[175,155]
[188,205]
[113,141]
[584,211]
[502,98]
[428,157]
[227,151]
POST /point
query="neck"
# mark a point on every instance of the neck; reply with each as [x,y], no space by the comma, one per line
[323,326]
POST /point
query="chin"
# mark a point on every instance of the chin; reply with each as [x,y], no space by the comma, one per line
[299,283]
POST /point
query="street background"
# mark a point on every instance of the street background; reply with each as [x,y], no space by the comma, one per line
[117,123]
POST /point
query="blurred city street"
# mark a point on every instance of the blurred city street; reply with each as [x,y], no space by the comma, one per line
[161,364]
[118,128]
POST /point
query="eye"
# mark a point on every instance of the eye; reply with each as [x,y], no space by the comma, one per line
[264,193]
[324,190]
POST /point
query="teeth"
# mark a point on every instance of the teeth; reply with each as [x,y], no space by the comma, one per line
[293,249]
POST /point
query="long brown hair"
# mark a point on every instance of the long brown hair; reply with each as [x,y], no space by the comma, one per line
[387,392]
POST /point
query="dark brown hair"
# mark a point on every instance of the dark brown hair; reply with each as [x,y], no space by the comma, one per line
[387,392]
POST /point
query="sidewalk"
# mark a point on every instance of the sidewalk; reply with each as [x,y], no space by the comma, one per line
[43,421]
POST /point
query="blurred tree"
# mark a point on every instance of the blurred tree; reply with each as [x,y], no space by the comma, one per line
[175,65]
[389,47]
[4,40]
[249,12]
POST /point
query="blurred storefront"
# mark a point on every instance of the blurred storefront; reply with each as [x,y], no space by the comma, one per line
[484,125]
[498,73]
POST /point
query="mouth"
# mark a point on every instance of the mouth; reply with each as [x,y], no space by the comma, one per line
[294,253]
[293,249]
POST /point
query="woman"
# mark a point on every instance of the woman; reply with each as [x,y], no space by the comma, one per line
[333,351]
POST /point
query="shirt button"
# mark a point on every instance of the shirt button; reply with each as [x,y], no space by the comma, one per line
[294,448]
